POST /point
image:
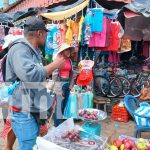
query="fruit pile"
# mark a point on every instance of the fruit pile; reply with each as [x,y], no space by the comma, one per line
[89,115]
[73,136]
[128,144]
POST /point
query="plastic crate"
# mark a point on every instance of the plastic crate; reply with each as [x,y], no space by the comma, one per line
[120,113]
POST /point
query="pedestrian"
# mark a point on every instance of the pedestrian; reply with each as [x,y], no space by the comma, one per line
[66,77]
[24,64]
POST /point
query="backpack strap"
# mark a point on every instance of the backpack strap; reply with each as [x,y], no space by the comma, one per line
[3,61]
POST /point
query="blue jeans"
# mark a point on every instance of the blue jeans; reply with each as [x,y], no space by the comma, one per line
[61,104]
[25,128]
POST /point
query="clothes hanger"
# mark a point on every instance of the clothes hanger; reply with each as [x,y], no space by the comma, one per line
[87,56]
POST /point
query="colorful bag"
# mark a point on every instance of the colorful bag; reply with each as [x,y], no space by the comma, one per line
[86,75]
[100,39]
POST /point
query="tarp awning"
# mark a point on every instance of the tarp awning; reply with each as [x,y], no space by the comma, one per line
[140,7]
[67,13]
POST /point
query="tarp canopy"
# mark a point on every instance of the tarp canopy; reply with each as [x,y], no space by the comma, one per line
[61,15]
[140,7]
[6,18]
[74,6]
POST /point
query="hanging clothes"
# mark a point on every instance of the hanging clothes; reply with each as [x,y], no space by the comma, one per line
[114,57]
[63,30]
[101,39]
[53,40]
[80,28]
[75,32]
[69,33]
[146,49]
[114,37]
[97,19]
[87,28]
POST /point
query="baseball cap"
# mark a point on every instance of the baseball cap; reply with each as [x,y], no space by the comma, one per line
[34,23]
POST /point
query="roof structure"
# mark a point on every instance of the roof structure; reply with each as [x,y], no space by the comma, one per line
[24,4]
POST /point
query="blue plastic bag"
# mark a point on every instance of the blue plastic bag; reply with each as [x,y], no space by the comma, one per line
[71,107]
[6,91]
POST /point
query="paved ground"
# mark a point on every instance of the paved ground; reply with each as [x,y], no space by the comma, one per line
[107,130]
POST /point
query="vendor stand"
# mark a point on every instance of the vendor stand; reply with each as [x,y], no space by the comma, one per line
[93,37]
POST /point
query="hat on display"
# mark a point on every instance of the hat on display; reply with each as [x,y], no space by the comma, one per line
[34,24]
[9,39]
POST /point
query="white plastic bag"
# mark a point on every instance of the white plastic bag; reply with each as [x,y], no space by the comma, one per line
[43,144]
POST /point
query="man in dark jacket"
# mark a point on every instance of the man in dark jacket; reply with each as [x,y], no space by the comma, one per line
[30,97]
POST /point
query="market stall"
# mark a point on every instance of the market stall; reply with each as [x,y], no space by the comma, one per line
[108,46]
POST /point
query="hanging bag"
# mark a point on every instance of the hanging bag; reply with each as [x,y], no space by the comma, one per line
[100,39]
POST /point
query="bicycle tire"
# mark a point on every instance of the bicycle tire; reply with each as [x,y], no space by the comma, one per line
[126,86]
[101,86]
[136,88]
[116,87]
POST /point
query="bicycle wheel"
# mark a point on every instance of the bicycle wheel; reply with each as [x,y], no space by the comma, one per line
[126,86]
[136,88]
[101,86]
[116,87]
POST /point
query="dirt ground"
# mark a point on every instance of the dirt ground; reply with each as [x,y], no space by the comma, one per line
[107,129]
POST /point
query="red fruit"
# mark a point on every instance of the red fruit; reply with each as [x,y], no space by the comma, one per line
[117,143]
[88,113]
[86,116]
[132,143]
[127,145]
[134,148]
[125,140]
[147,147]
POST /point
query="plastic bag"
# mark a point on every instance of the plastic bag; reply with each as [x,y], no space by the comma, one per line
[71,108]
[54,135]
[5,92]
